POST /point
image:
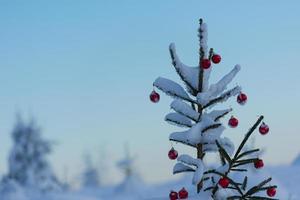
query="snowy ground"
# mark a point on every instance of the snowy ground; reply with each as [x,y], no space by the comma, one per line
[288,178]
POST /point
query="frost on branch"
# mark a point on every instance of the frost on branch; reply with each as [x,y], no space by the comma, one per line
[178,119]
[217,88]
[185,109]
[171,88]
[193,136]
[217,114]
[200,133]
[187,163]
[203,35]
[180,167]
[189,75]
[223,97]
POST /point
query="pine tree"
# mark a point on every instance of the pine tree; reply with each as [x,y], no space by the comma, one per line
[132,182]
[28,165]
[90,175]
[193,111]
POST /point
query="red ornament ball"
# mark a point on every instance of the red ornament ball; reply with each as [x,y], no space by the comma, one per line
[259,164]
[173,154]
[154,97]
[263,129]
[205,63]
[173,195]
[224,182]
[216,58]
[241,98]
[233,122]
[271,192]
[183,194]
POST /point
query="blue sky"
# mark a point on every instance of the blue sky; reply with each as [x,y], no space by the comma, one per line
[84,70]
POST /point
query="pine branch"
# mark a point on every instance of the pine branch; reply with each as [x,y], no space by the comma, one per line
[238,170]
[244,186]
[210,127]
[223,152]
[251,130]
[235,161]
[247,153]
[234,197]
[201,56]
[177,91]
[187,170]
[223,115]
[183,142]
[192,89]
[246,161]
[223,97]
[185,110]
[172,121]
[232,182]
[180,167]
[256,188]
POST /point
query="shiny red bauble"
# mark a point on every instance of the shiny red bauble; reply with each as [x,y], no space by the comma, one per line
[173,195]
[216,58]
[173,154]
[264,129]
[259,164]
[233,122]
[224,182]
[183,194]
[242,98]
[271,192]
[205,63]
[154,97]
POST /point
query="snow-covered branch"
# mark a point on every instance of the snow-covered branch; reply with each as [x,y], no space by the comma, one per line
[180,167]
[217,88]
[185,109]
[223,97]
[178,119]
[218,114]
[189,75]
[203,34]
[207,130]
[225,142]
[188,160]
[172,88]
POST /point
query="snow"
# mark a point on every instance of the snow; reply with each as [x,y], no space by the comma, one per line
[171,88]
[288,188]
[178,119]
[188,74]
[217,88]
[185,109]
[188,160]
[203,39]
[194,135]
[180,167]
[217,113]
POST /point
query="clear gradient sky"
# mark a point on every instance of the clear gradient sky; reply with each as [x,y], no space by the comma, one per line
[84,70]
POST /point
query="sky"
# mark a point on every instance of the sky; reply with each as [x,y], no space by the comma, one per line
[84,71]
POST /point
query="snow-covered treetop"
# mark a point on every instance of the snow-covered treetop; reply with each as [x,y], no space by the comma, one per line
[190,106]
[204,127]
